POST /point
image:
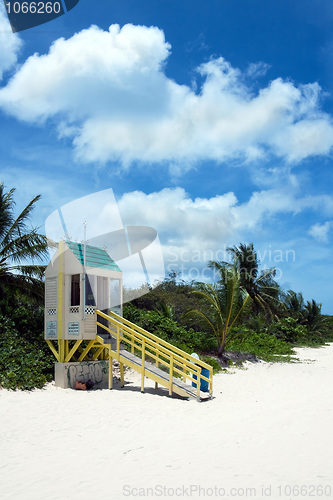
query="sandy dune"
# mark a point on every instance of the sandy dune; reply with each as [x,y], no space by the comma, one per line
[266,434]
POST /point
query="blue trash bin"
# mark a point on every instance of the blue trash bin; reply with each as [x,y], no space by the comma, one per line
[204,385]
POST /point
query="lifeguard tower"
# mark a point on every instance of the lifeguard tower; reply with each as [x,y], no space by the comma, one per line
[85,330]
[79,280]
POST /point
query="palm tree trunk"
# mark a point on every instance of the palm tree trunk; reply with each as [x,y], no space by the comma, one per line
[221,346]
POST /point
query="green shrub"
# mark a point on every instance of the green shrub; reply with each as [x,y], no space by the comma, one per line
[289,330]
[23,365]
[328,336]
[170,330]
[212,362]
[318,336]
[264,346]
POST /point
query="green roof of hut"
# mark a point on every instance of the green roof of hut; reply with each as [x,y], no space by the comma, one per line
[95,257]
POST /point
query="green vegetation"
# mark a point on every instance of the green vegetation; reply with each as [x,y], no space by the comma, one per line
[223,304]
[23,364]
[17,245]
[289,330]
[263,345]
[25,361]
[244,311]
[170,330]
[212,362]
[260,285]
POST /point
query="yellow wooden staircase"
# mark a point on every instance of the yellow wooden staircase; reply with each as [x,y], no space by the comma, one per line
[152,357]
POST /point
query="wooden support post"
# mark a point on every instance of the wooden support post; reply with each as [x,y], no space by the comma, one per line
[184,370]
[98,353]
[143,366]
[87,349]
[198,382]
[157,366]
[61,351]
[66,348]
[53,349]
[118,342]
[110,371]
[171,376]
[61,347]
[73,350]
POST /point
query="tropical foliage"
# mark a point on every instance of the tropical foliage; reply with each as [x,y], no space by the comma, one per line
[223,303]
[24,362]
[21,249]
[244,309]
[306,313]
[263,345]
[24,358]
[170,330]
[260,285]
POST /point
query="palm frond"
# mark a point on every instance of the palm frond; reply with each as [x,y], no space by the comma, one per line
[6,212]
[19,225]
[197,312]
[28,246]
[19,248]
[29,287]
[36,271]
[222,303]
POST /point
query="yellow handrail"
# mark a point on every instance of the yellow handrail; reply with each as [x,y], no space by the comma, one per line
[160,341]
[161,352]
[177,361]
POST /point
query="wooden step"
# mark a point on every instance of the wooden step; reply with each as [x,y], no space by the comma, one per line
[151,371]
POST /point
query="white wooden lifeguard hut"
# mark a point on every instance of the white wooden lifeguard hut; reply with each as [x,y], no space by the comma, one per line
[79,280]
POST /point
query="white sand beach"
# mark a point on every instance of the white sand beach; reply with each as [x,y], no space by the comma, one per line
[266,434]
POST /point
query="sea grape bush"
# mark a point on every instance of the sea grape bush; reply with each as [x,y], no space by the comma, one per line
[23,365]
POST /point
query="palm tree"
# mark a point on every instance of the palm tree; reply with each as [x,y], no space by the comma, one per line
[20,248]
[261,286]
[223,303]
[315,322]
[306,313]
[294,304]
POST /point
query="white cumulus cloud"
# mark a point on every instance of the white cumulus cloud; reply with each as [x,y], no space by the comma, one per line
[108,92]
[10,43]
[209,224]
[320,231]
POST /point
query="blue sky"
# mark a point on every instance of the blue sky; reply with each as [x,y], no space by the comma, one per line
[211,122]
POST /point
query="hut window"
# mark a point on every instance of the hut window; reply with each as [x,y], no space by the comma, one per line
[75,290]
[90,288]
[115,295]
